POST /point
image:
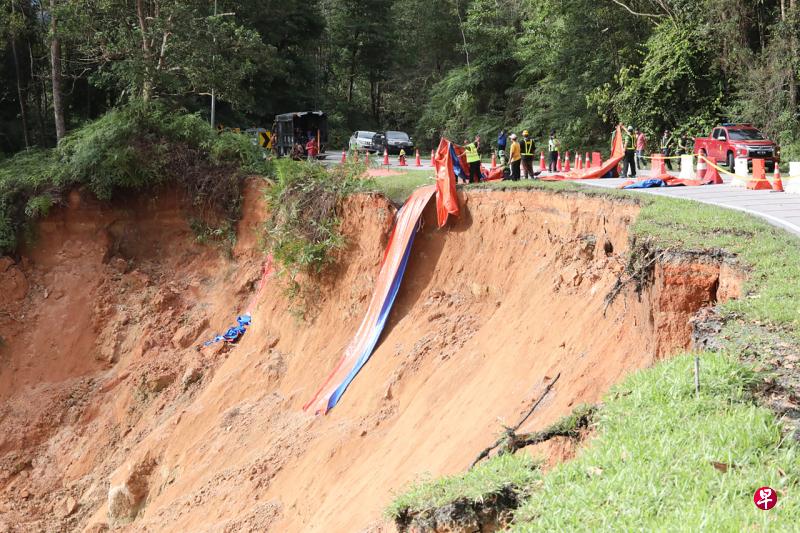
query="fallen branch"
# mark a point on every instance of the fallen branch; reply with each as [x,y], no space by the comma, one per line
[620,284]
[509,433]
[572,431]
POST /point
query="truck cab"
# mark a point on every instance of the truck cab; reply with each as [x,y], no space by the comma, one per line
[728,142]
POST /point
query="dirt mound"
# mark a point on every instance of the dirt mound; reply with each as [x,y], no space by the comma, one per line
[110,416]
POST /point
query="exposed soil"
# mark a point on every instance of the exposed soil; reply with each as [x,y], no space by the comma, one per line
[111,418]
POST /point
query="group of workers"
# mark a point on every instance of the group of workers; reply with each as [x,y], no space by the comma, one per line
[635,144]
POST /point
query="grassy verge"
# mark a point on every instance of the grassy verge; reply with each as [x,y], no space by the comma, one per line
[398,187]
[661,459]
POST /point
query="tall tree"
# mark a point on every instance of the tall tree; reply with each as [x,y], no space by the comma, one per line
[16,27]
[55,73]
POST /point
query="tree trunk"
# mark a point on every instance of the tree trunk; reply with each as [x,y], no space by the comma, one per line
[793,46]
[39,102]
[147,85]
[22,111]
[55,74]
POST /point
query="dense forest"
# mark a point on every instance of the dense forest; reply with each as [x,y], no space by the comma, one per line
[452,67]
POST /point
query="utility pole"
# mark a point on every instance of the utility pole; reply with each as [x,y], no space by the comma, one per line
[213,94]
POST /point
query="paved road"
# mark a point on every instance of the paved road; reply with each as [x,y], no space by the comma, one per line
[779,209]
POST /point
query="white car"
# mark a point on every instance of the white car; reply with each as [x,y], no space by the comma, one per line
[362,141]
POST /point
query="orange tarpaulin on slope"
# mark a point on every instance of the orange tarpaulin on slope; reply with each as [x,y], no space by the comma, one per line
[617,153]
[446,196]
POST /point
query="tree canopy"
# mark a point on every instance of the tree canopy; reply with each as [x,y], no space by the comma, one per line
[452,67]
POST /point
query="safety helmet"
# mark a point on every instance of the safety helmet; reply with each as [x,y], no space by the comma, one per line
[525,133]
[630,128]
[513,136]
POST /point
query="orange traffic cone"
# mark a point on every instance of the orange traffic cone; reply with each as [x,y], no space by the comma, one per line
[759,181]
[418,163]
[588,161]
[542,166]
[566,162]
[386,157]
[559,168]
[494,160]
[777,183]
[578,162]
[344,157]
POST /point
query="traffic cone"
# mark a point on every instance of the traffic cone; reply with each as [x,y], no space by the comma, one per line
[566,162]
[588,161]
[433,157]
[386,157]
[366,158]
[578,162]
[702,167]
[494,160]
[759,181]
[418,163]
[542,166]
[559,168]
[777,183]
[344,157]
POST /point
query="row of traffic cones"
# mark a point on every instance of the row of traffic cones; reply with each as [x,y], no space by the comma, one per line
[402,163]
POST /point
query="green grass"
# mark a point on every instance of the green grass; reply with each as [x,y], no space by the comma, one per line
[651,466]
[486,479]
[399,187]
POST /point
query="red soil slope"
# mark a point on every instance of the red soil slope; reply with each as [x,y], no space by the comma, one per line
[110,418]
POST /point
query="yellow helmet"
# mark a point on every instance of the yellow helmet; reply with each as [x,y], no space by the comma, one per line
[525,133]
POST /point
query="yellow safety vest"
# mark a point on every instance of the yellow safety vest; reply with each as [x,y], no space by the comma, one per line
[472,153]
[528,146]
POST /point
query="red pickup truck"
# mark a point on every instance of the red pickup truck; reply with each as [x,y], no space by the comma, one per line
[729,141]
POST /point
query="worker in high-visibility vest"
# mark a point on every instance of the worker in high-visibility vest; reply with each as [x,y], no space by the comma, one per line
[473,160]
[528,151]
[629,162]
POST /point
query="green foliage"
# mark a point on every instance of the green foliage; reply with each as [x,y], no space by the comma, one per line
[132,148]
[517,472]
[302,228]
[652,465]
[399,187]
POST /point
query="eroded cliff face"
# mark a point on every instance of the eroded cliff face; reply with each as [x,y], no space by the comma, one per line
[111,416]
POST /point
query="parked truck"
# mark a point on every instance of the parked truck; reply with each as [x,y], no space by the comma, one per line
[731,141]
[299,127]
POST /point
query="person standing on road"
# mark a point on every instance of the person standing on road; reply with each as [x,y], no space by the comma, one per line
[667,143]
[514,157]
[683,145]
[554,147]
[474,160]
[629,162]
[528,148]
[641,146]
[501,141]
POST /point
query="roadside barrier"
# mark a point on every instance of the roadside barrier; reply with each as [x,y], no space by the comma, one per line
[687,167]
[793,183]
[658,167]
[759,181]
[597,159]
[740,172]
